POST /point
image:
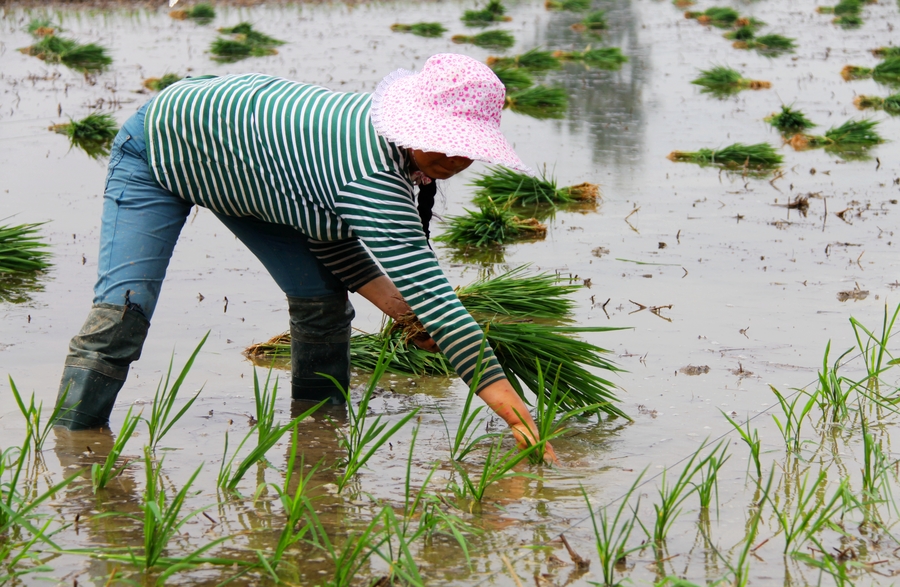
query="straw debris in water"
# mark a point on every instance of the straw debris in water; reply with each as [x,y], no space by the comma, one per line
[535,59]
[736,156]
[422,29]
[493,12]
[490,225]
[93,134]
[604,58]
[539,102]
[789,121]
[84,58]
[487,39]
[505,187]
[158,84]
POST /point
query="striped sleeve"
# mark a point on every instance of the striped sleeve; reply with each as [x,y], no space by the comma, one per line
[380,210]
[348,260]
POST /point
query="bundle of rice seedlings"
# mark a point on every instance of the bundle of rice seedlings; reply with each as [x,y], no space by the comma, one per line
[157,84]
[505,187]
[888,71]
[21,251]
[539,102]
[758,156]
[724,80]
[493,12]
[848,21]
[593,22]
[604,58]
[851,134]
[41,27]
[535,59]
[789,121]
[202,13]
[487,39]
[886,52]
[771,44]
[490,225]
[570,5]
[842,8]
[515,80]
[891,104]
[246,43]
[683,3]
[721,17]
[83,58]
[519,294]
[93,134]
[744,33]
[422,29]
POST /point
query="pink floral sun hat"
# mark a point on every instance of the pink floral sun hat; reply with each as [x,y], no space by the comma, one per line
[452,107]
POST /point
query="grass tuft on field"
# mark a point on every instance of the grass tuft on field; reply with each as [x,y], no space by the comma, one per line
[891,104]
[569,5]
[93,134]
[887,72]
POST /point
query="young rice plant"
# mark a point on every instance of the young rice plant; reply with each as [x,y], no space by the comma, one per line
[90,58]
[609,58]
[487,39]
[422,29]
[535,60]
[504,187]
[158,84]
[723,81]
[493,12]
[21,250]
[490,225]
[890,104]
[94,134]
[539,102]
[789,121]
[736,156]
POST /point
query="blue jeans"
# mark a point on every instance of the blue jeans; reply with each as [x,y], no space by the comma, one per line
[140,225]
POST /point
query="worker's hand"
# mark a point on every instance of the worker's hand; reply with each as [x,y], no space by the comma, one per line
[526,437]
[506,403]
[427,344]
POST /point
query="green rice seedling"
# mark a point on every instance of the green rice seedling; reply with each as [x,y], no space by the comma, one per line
[248,34]
[768,44]
[488,226]
[888,71]
[201,13]
[265,406]
[569,5]
[831,393]
[789,121]
[422,29]
[812,511]
[744,33]
[504,187]
[843,7]
[891,104]
[709,475]
[21,250]
[514,79]
[353,555]
[364,437]
[539,102]
[876,470]
[610,58]
[613,530]
[487,39]
[794,414]
[858,134]
[102,474]
[399,557]
[158,84]
[723,81]
[595,22]
[751,439]
[247,42]
[535,59]
[519,295]
[493,12]
[683,3]
[736,156]
[848,21]
[94,134]
[498,465]
[41,27]
[90,58]
[836,565]
[722,17]
[160,421]
[465,439]
[672,495]
[874,347]
[886,52]
[32,415]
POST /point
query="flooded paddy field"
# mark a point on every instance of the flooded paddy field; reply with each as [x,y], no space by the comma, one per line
[728,284]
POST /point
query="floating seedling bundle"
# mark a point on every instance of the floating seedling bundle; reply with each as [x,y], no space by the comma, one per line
[505,187]
[487,39]
[723,17]
[765,44]
[493,12]
[789,121]
[847,13]
[539,102]
[852,135]
[514,79]
[603,57]
[158,84]
[524,317]
[883,52]
[490,225]
[891,104]
[21,251]
[723,81]
[570,5]
[422,29]
[595,22]
[888,71]
[736,156]
[535,59]
[93,134]
[200,13]
[41,27]
[245,42]
[84,58]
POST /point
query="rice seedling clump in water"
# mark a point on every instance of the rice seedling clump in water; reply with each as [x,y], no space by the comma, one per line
[493,12]
[723,80]
[201,13]
[84,58]
[534,59]
[758,156]
[504,187]
[515,80]
[539,102]
[570,5]
[21,251]
[604,58]
[157,84]
[853,134]
[490,225]
[593,22]
[422,29]
[93,134]
[41,27]
[789,121]
[488,39]
[719,16]
[886,52]
[246,42]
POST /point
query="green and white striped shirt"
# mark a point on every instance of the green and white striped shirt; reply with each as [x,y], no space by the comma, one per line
[307,157]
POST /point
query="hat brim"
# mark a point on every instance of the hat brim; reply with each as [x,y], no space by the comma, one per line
[428,130]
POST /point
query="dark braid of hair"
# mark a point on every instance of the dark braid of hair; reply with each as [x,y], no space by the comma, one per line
[425,204]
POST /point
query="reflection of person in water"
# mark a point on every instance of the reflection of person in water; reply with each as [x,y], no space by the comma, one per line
[311,181]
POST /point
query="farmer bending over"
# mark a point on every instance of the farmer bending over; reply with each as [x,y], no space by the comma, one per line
[304,177]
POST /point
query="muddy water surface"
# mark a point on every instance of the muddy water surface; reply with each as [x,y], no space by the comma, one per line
[744,285]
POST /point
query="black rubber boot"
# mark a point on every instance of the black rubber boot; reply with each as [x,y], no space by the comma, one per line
[320,343]
[97,364]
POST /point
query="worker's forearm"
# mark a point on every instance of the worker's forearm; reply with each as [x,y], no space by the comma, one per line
[382,292]
[506,403]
